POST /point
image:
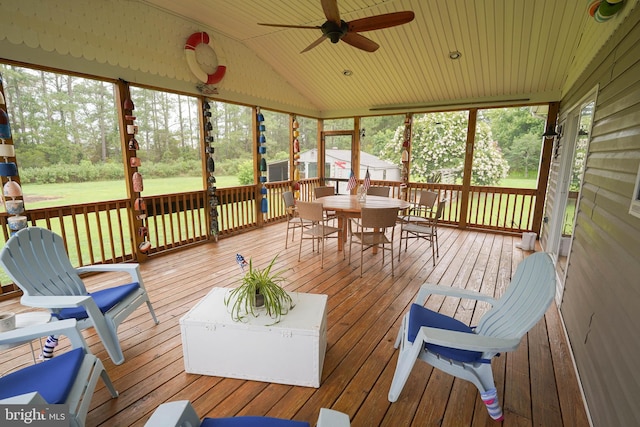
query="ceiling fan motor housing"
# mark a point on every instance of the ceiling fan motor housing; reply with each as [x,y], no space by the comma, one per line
[333,31]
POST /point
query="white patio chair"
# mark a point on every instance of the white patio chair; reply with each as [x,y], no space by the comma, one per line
[181,414]
[423,228]
[422,210]
[69,378]
[378,191]
[319,230]
[370,230]
[326,190]
[293,221]
[36,260]
[466,352]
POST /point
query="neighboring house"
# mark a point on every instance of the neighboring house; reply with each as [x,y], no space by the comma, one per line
[338,165]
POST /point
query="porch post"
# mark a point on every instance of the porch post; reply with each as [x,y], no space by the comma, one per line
[355,151]
[321,156]
[545,167]
[135,221]
[468,166]
[257,196]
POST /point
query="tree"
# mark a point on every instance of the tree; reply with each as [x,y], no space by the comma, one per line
[524,154]
[438,142]
[245,172]
[509,124]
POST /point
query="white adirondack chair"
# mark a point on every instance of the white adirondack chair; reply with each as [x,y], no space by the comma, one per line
[68,379]
[180,413]
[36,260]
[465,352]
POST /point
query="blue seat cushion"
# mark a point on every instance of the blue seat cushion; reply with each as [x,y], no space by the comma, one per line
[421,316]
[251,421]
[105,299]
[53,379]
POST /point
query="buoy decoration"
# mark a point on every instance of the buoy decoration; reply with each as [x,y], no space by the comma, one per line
[604,10]
[193,41]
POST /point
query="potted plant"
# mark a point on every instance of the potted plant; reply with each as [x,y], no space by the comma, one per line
[259,288]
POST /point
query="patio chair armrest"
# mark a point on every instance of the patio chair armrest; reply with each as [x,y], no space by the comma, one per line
[428,289]
[63,327]
[467,341]
[33,398]
[46,301]
[174,414]
[331,418]
[133,269]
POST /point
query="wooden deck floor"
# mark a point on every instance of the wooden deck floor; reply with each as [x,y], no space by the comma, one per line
[536,383]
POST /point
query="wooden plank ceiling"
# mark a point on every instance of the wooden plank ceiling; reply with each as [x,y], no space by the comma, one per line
[512,51]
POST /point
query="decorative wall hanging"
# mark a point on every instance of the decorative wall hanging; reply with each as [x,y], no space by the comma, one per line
[405,155]
[211,168]
[11,190]
[295,148]
[208,80]
[602,10]
[137,185]
[262,162]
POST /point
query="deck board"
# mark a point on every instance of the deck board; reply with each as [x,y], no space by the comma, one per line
[536,383]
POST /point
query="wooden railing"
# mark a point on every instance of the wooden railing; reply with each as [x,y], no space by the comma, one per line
[490,208]
[101,232]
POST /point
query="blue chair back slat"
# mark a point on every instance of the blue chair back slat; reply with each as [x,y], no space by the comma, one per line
[525,300]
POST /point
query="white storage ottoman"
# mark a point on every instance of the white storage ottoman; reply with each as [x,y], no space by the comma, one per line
[289,352]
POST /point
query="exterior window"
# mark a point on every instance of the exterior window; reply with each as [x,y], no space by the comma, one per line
[233,134]
[66,137]
[169,140]
[308,147]
[376,153]
[277,145]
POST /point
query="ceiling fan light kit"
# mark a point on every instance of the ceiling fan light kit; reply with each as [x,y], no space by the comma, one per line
[335,29]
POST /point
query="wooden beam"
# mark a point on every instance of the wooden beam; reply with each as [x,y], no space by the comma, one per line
[468,167]
[544,168]
[123,94]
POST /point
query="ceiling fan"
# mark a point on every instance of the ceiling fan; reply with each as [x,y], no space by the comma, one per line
[335,29]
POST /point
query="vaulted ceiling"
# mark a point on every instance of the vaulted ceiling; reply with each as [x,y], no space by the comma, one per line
[513,51]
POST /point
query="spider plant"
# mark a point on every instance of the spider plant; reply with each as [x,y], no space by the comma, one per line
[259,284]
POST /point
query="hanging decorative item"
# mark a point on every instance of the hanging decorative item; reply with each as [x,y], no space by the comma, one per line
[262,150]
[139,204]
[295,148]
[11,190]
[604,10]
[405,156]
[208,80]
[211,168]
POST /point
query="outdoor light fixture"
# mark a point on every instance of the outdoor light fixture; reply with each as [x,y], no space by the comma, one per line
[347,73]
[455,55]
[550,133]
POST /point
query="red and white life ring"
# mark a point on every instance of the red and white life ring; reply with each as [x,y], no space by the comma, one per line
[190,50]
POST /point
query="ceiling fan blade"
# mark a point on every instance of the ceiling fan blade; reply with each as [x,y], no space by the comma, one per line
[377,22]
[314,44]
[316,27]
[330,8]
[361,42]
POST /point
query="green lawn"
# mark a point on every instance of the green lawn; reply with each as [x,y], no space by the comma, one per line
[62,194]
[518,182]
